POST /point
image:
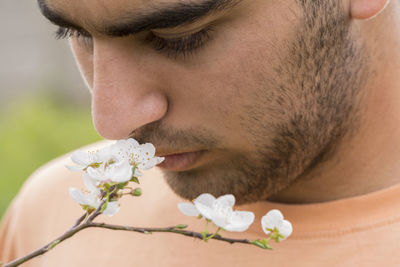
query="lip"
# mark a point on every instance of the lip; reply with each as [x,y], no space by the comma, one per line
[180,161]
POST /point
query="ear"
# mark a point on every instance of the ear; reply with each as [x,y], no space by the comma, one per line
[367,9]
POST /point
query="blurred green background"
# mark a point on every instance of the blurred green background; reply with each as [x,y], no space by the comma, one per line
[44,105]
[34,131]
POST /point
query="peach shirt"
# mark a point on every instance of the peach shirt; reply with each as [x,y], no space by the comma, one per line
[358,231]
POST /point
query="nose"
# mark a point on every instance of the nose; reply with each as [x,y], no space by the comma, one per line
[125,93]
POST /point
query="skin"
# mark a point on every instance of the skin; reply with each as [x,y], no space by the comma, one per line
[294,103]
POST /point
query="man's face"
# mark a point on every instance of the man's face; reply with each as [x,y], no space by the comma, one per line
[259,92]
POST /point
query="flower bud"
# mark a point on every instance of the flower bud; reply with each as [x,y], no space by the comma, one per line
[137,192]
[181,226]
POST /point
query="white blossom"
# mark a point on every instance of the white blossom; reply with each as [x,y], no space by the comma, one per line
[140,156]
[115,164]
[83,160]
[219,211]
[92,201]
[188,209]
[114,169]
[274,220]
[144,156]
[91,185]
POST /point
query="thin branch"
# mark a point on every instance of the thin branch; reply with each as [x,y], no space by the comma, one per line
[78,226]
[172,229]
[80,220]
[90,224]
[86,221]
[96,212]
[47,247]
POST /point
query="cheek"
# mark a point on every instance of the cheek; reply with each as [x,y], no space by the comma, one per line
[238,86]
[84,60]
[242,73]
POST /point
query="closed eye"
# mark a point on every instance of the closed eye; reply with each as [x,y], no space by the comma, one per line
[172,47]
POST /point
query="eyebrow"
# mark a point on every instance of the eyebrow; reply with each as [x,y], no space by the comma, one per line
[166,16]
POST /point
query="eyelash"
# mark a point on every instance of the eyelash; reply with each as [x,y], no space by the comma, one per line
[175,47]
[183,46]
[83,37]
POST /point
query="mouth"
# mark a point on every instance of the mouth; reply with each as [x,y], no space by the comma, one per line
[180,161]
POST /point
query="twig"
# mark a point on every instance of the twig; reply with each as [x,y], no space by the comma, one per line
[80,220]
[86,221]
[47,247]
[172,229]
[89,224]
[96,212]
[78,226]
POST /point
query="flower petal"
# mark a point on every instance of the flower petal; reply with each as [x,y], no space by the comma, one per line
[120,172]
[276,215]
[76,195]
[112,208]
[132,142]
[204,210]
[148,163]
[219,219]
[236,228]
[90,184]
[242,219]
[137,173]
[159,160]
[204,204]
[96,173]
[286,229]
[80,157]
[147,150]
[144,156]
[81,198]
[239,221]
[228,200]
[104,154]
[205,199]
[272,219]
[188,209]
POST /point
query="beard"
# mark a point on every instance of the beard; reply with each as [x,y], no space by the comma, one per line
[316,94]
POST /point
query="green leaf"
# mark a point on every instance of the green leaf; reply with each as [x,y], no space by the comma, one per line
[135,180]
[204,234]
[122,185]
[258,243]
[103,208]
[261,244]
[181,226]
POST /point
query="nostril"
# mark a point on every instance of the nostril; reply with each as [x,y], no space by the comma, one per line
[116,118]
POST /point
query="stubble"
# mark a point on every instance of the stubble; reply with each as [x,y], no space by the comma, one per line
[316,91]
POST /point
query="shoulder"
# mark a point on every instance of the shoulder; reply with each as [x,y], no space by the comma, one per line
[47,188]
